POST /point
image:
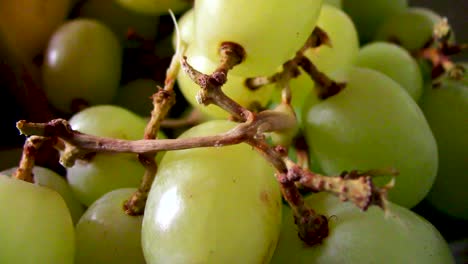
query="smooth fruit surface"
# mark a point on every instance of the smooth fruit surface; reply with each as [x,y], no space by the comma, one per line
[212,205]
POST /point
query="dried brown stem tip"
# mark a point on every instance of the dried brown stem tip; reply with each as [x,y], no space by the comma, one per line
[30,149]
[210,93]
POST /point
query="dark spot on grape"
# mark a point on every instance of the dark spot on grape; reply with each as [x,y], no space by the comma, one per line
[264,197]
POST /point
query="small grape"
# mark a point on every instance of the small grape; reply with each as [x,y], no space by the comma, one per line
[395,62]
[446,109]
[105,234]
[36,226]
[50,179]
[411,29]
[83,61]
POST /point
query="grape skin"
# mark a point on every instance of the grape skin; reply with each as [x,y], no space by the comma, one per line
[446,110]
[36,226]
[89,180]
[212,205]
[373,124]
[82,61]
[397,236]
[395,62]
[269,31]
[48,178]
[105,234]
[411,29]
[330,60]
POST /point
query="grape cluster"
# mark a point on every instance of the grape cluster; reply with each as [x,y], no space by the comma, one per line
[399,107]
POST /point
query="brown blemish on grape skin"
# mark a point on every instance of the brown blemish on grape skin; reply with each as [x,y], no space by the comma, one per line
[264,197]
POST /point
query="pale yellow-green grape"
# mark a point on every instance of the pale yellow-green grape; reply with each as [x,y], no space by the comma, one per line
[120,19]
[446,109]
[344,40]
[82,62]
[36,226]
[368,15]
[50,179]
[156,7]
[234,87]
[28,24]
[212,205]
[106,172]
[136,96]
[329,60]
[270,31]
[374,124]
[357,237]
[105,234]
[411,29]
[186,30]
[395,62]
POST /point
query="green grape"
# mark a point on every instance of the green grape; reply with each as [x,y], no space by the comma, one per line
[35,227]
[136,96]
[400,236]
[157,7]
[212,205]
[335,3]
[28,24]
[119,18]
[186,30]
[330,60]
[234,88]
[395,62]
[105,234]
[106,172]
[411,29]
[446,110]
[368,15]
[344,40]
[50,179]
[109,121]
[83,61]
[373,124]
[269,31]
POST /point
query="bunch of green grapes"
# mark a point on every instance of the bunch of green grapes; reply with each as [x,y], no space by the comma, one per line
[223,204]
